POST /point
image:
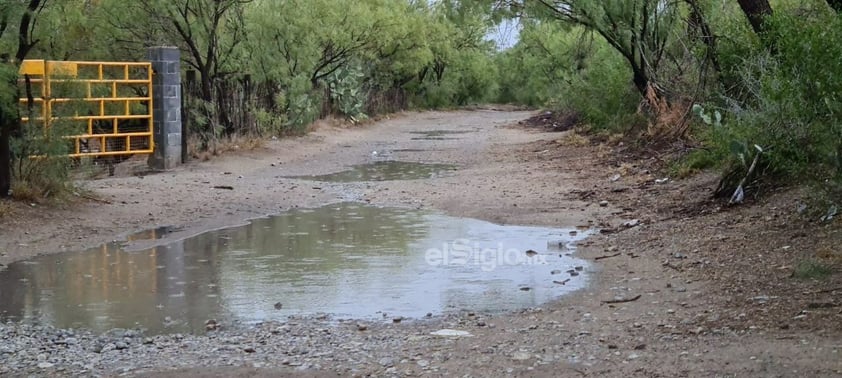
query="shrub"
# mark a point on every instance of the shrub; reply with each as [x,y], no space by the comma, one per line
[602,92]
[790,103]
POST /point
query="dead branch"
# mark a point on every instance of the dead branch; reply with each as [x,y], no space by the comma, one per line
[627,300]
[607,256]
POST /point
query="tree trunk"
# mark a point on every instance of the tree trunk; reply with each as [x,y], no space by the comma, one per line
[836,5]
[9,125]
[697,23]
[5,155]
[10,122]
[207,84]
[641,80]
[756,11]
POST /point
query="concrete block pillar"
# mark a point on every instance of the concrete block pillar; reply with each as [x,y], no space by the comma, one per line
[166,106]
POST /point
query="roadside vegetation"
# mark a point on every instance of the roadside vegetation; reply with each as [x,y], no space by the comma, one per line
[750,87]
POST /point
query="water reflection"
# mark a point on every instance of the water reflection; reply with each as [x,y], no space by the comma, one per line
[345,259]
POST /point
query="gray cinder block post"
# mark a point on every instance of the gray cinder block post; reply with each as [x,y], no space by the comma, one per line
[166,107]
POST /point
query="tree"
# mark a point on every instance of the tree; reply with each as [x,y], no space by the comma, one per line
[209,31]
[756,11]
[17,22]
[638,29]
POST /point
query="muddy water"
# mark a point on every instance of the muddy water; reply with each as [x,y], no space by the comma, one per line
[349,260]
[385,171]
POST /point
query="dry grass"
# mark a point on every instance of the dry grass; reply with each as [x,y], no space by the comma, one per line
[669,119]
[572,138]
[5,209]
[224,145]
[329,122]
[25,192]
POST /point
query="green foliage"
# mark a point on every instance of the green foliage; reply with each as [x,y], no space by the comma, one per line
[269,122]
[694,162]
[711,119]
[571,70]
[470,79]
[345,85]
[602,93]
[40,167]
[789,102]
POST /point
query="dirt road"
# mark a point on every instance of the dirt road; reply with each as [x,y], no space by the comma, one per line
[679,311]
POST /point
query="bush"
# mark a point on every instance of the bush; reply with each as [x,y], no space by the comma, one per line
[790,103]
[602,92]
[570,70]
[40,168]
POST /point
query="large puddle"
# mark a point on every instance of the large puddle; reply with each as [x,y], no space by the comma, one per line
[348,260]
[385,171]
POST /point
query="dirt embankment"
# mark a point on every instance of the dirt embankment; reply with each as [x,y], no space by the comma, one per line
[685,286]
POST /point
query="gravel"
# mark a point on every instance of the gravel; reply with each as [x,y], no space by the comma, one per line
[299,344]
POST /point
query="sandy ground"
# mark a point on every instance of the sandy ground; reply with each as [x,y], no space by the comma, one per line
[702,290]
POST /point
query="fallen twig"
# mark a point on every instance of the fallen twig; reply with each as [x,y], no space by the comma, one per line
[562,282]
[825,291]
[607,256]
[92,198]
[226,187]
[627,300]
[668,265]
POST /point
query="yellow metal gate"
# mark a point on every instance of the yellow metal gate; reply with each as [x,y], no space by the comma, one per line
[104,108]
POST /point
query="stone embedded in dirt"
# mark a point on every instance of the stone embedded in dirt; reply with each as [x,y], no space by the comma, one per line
[397,319]
[279,306]
[211,325]
[44,365]
[423,363]
[631,223]
[697,331]
[603,203]
[525,288]
[531,253]
[361,327]
[555,272]
[521,356]
[249,350]
[579,268]
[451,333]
